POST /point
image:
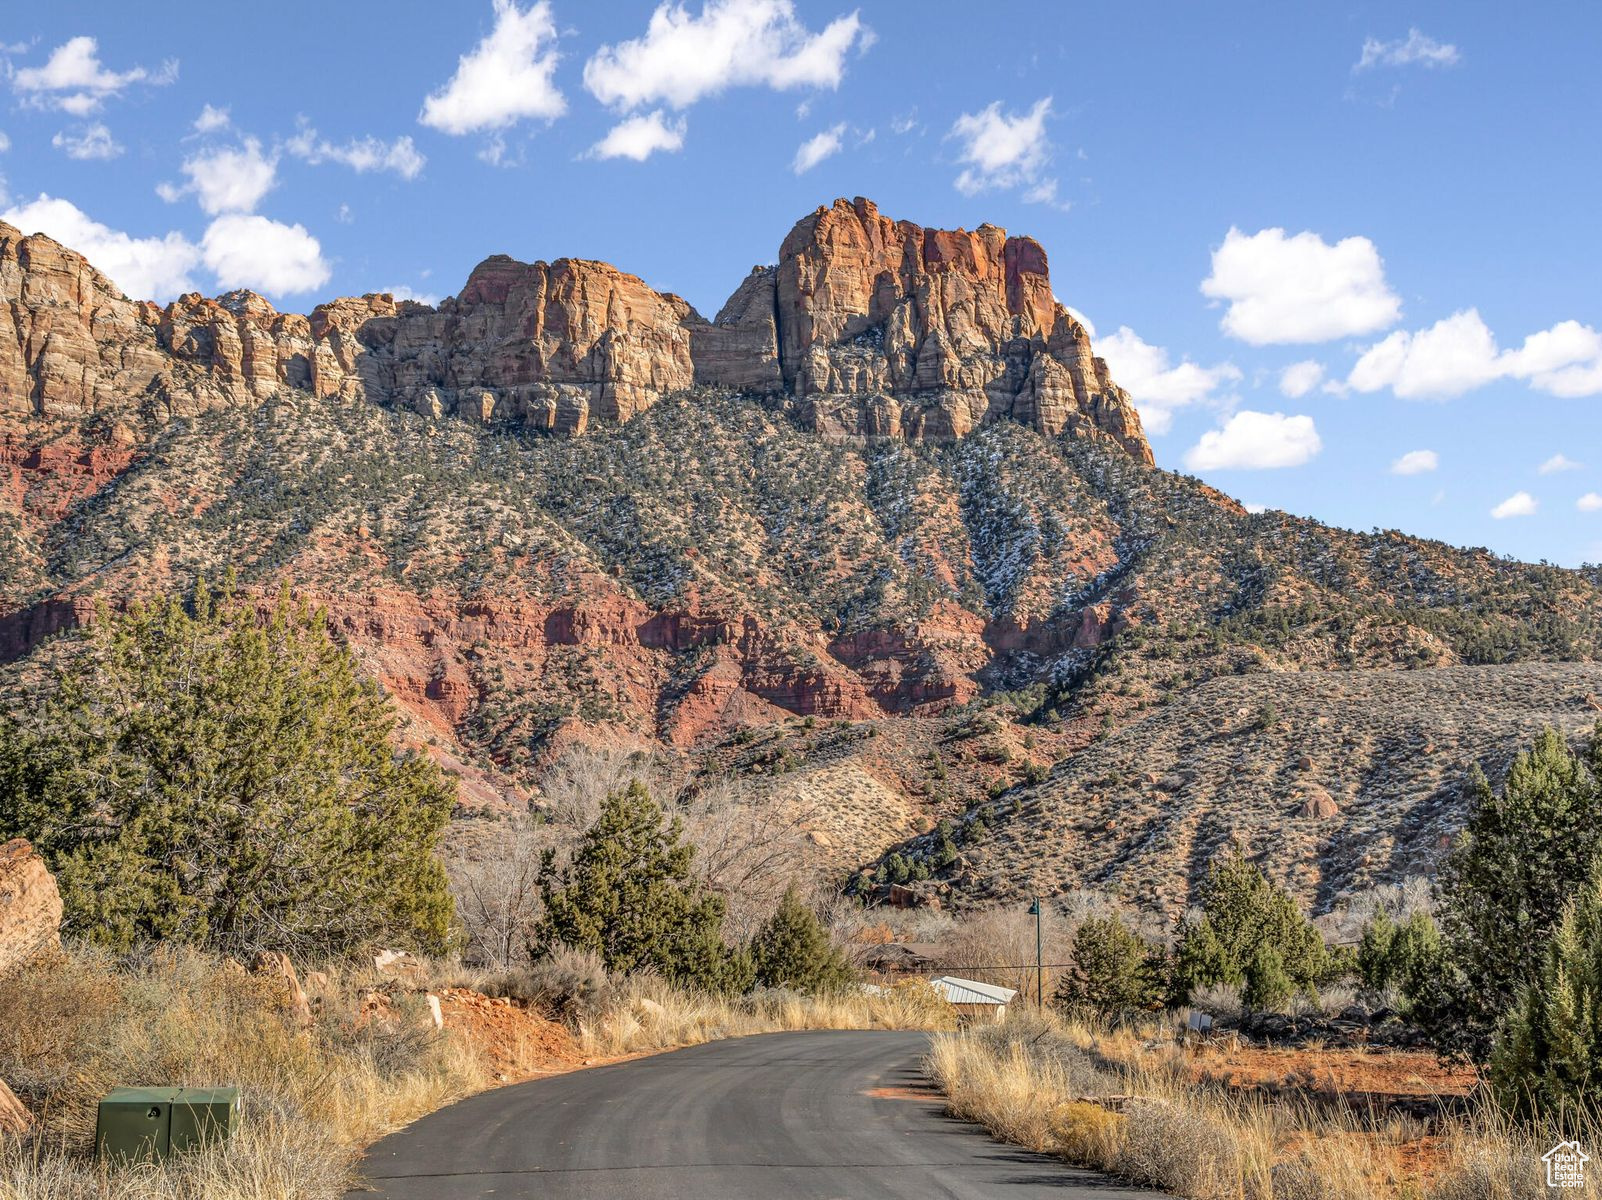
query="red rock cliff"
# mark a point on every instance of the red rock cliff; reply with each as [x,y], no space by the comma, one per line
[885,328]
[877,328]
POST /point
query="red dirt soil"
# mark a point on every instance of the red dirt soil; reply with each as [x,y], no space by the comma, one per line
[1379,1073]
[515,1044]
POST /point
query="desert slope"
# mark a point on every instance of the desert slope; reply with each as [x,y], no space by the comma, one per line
[881,540]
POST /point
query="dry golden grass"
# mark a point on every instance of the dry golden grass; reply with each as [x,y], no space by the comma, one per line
[73,1028]
[1098,1100]
[649,1015]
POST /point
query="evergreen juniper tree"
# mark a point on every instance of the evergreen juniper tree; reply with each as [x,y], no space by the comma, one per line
[792,950]
[1115,973]
[1525,852]
[628,894]
[1241,913]
[1268,985]
[1399,960]
[215,775]
[1547,1061]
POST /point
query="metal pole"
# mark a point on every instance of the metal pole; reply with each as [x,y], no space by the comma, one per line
[1040,978]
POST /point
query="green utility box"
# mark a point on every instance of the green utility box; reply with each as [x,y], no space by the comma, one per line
[142,1123]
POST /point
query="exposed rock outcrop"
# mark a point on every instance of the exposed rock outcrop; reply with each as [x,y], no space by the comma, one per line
[14,1118]
[877,328]
[30,905]
[888,329]
[274,966]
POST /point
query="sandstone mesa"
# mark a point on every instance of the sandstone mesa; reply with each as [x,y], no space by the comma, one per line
[872,328]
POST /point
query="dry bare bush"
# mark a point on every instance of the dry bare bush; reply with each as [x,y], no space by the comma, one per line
[1492,1157]
[1399,901]
[998,946]
[1222,1000]
[1182,1148]
[498,895]
[748,849]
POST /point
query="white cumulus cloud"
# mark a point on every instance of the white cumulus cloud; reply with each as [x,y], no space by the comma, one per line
[817,148]
[74,79]
[1158,385]
[1565,360]
[94,141]
[1251,441]
[211,120]
[1519,504]
[1416,462]
[144,268]
[1459,353]
[1590,502]
[245,251]
[1558,462]
[683,57]
[508,77]
[226,179]
[1417,48]
[1285,289]
[1452,356]
[360,154]
[1004,150]
[641,136]
[1300,378]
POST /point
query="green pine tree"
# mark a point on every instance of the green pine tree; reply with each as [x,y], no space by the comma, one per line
[1547,1060]
[215,775]
[1523,855]
[1242,912]
[1268,985]
[628,894]
[792,950]
[1399,959]
[1115,973]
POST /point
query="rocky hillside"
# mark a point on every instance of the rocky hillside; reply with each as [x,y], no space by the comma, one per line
[882,540]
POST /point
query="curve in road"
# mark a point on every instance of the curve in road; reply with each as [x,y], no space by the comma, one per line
[786,1116]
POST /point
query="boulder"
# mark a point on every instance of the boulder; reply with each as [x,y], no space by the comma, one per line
[396,962]
[1318,805]
[15,1119]
[30,905]
[647,1009]
[275,965]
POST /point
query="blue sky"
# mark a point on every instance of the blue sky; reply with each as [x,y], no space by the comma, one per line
[1346,256]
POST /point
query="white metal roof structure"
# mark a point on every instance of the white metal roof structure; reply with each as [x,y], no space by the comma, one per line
[971,991]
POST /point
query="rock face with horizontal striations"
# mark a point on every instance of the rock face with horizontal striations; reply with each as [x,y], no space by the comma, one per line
[875,328]
[30,905]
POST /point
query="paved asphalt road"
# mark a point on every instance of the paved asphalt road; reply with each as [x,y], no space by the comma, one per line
[784,1116]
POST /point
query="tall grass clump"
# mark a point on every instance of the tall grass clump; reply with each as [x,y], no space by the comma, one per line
[1114,1101]
[74,1027]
